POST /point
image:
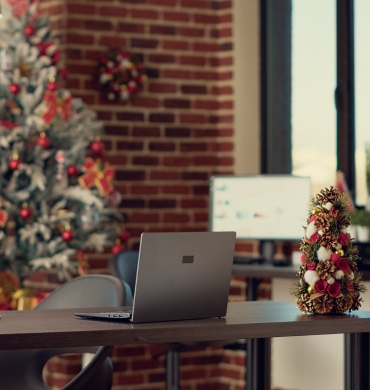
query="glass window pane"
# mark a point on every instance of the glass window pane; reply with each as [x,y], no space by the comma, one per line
[362,99]
[313,84]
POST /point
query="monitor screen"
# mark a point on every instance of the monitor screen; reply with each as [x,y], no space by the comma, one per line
[262,207]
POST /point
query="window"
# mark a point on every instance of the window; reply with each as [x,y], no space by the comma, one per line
[313,84]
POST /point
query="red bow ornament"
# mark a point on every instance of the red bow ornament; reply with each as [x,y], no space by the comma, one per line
[20,7]
[98,175]
[7,124]
[56,103]
[49,49]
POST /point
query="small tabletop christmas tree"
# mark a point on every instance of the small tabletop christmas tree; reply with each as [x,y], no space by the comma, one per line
[328,281]
[55,199]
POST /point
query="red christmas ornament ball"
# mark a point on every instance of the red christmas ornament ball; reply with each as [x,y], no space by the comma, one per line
[14,164]
[97,148]
[68,235]
[44,141]
[14,88]
[118,248]
[52,86]
[72,170]
[25,213]
[124,236]
[29,31]
[63,73]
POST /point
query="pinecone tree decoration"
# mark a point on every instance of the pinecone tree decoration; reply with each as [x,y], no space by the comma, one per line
[327,280]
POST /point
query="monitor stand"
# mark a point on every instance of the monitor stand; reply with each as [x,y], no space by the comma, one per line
[267,251]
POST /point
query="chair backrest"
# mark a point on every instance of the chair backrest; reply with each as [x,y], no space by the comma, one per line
[124,267]
[20,370]
[86,291]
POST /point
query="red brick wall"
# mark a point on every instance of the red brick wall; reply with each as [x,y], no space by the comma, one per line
[165,144]
[170,138]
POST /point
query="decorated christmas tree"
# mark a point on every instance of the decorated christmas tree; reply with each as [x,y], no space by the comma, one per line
[56,196]
[328,278]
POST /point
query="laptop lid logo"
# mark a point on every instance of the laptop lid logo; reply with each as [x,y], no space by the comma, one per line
[187,259]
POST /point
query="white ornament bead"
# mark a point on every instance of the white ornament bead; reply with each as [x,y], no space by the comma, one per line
[311,277]
[311,229]
[328,206]
[339,274]
[124,95]
[324,254]
[331,280]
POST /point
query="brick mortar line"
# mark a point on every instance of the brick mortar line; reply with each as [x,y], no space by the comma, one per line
[221,54]
[150,51]
[191,11]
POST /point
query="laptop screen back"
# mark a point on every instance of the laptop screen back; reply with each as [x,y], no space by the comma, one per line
[183,276]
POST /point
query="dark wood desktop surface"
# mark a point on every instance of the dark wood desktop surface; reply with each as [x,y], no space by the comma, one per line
[256,320]
[262,319]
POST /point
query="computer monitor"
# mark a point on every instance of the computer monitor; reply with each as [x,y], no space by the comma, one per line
[260,207]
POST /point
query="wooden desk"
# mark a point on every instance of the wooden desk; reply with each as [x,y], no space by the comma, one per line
[257,320]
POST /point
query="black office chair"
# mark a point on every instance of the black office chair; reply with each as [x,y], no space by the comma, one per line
[124,266]
[22,370]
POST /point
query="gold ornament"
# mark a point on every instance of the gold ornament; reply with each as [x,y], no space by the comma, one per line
[310,289]
[340,252]
[25,70]
[24,299]
[8,284]
[316,210]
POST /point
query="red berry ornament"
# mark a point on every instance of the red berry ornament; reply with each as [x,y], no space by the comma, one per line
[72,170]
[124,236]
[29,31]
[14,89]
[68,235]
[52,86]
[25,213]
[63,73]
[97,147]
[14,163]
[118,248]
[44,141]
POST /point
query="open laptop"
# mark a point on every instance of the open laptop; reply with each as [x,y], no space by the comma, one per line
[179,276]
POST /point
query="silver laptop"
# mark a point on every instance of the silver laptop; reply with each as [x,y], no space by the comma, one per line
[180,276]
